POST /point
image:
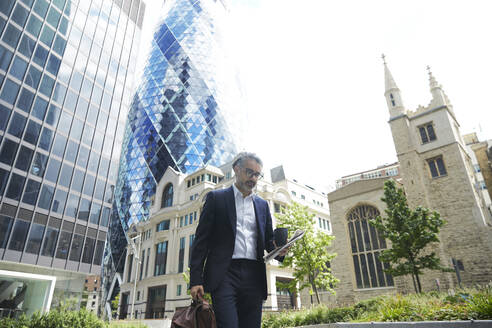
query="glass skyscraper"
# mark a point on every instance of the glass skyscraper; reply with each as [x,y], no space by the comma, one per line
[66,76]
[186,113]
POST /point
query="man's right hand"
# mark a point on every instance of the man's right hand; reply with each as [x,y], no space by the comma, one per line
[197,292]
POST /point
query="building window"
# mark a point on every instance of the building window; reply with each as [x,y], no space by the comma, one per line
[163,225]
[476,168]
[130,264]
[482,185]
[160,258]
[192,237]
[142,264]
[167,196]
[178,290]
[293,193]
[303,197]
[366,244]
[436,166]
[427,133]
[182,243]
[392,100]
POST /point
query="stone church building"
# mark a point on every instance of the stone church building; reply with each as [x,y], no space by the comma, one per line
[436,171]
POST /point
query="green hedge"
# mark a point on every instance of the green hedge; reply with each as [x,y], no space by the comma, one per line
[465,305]
[63,318]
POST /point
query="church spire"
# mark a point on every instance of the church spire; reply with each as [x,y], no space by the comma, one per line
[392,92]
[439,98]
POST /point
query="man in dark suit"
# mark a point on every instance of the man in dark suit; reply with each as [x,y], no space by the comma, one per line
[234,230]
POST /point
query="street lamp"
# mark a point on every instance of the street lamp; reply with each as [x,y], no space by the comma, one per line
[133,235]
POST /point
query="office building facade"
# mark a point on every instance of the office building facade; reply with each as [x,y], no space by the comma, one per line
[185,114]
[66,70]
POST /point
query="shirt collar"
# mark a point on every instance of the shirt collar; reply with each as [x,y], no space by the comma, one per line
[238,193]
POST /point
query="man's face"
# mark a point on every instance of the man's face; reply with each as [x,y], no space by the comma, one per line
[247,174]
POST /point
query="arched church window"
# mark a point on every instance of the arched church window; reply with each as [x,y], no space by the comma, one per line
[167,196]
[366,245]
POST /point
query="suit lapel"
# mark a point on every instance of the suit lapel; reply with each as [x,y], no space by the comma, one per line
[231,209]
[260,222]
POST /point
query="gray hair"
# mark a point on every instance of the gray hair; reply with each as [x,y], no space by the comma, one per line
[243,156]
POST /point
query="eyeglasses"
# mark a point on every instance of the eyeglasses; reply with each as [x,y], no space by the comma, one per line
[251,173]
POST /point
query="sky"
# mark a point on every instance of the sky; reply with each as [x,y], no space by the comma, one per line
[313,78]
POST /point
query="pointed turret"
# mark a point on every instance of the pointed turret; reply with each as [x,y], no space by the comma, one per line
[439,98]
[392,93]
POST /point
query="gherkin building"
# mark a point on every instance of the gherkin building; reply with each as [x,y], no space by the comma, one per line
[186,113]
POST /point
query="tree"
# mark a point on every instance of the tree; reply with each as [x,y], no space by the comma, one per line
[308,257]
[410,232]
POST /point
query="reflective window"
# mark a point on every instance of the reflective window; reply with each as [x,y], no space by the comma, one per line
[98,141]
[31,193]
[83,156]
[41,7]
[17,125]
[5,226]
[45,197]
[95,213]
[32,132]
[76,249]
[108,197]
[65,122]
[77,181]
[59,145]
[101,121]
[28,3]
[65,175]
[89,184]
[72,205]
[4,117]
[39,164]
[71,152]
[64,74]
[39,108]
[47,85]
[99,190]
[18,68]
[9,149]
[46,139]
[104,166]
[84,208]
[76,81]
[93,161]
[35,238]
[52,67]
[24,158]
[53,17]
[53,115]
[25,100]
[33,76]
[63,28]
[167,196]
[27,45]
[76,131]
[20,15]
[19,234]
[9,91]
[40,55]
[53,169]
[16,185]
[88,250]
[59,3]
[59,201]
[6,6]
[105,216]
[5,58]
[63,245]
[92,116]
[70,101]
[11,36]
[87,135]
[49,242]
[86,88]
[82,107]
[4,176]
[47,36]
[99,252]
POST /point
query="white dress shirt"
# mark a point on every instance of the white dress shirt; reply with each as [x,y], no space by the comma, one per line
[246,234]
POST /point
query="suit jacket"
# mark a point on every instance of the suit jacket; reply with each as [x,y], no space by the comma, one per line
[215,237]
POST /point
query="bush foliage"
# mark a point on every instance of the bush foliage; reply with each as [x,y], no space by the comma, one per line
[63,318]
[465,305]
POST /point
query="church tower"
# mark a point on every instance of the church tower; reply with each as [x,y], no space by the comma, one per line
[437,173]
